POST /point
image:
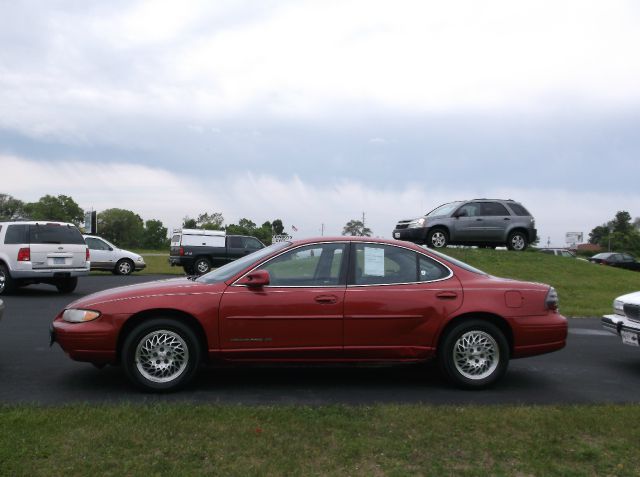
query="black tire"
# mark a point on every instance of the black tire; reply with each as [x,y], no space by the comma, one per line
[166,338]
[7,284]
[517,241]
[474,354]
[124,266]
[67,285]
[437,238]
[201,266]
[188,270]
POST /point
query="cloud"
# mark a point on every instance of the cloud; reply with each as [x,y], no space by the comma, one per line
[155,193]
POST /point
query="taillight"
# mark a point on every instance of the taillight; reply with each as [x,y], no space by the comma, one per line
[87,255]
[551,301]
[181,251]
[24,255]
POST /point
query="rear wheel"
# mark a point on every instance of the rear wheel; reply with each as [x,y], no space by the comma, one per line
[517,241]
[202,266]
[161,355]
[474,354]
[67,285]
[124,267]
[437,238]
[7,284]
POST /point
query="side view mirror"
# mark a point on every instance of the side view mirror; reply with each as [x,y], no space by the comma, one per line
[257,278]
[461,213]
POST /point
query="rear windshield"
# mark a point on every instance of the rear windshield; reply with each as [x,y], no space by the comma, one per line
[54,233]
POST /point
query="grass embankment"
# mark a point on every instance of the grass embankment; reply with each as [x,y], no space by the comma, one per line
[585,289]
[332,440]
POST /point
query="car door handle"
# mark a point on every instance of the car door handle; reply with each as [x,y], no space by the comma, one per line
[326,299]
[447,295]
[478,220]
[506,218]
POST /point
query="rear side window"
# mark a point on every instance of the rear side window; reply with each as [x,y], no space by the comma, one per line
[518,209]
[56,234]
[176,238]
[493,208]
[17,234]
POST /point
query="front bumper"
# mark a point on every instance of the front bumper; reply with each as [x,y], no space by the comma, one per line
[140,266]
[93,341]
[622,326]
[416,235]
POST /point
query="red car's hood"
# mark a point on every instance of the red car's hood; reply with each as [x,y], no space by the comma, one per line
[173,286]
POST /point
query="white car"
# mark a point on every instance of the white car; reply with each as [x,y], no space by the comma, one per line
[625,320]
[106,256]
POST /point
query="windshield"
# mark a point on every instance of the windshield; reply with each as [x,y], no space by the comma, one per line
[445,209]
[458,263]
[230,269]
[603,255]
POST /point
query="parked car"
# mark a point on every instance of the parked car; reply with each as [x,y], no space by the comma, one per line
[613,259]
[41,252]
[106,256]
[481,222]
[197,250]
[558,252]
[342,299]
[625,320]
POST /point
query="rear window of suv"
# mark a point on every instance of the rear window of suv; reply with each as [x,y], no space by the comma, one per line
[45,233]
[519,210]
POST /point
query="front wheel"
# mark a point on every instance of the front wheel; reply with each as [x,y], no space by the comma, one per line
[67,285]
[161,355]
[124,267]
[437,238]
[474,354]
[517,241]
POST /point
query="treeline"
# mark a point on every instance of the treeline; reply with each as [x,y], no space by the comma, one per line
[124,227]
[620,234]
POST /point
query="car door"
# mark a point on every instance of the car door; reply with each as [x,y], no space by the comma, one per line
[236,248]
[496,219]
[298,315]
[101,253]
[395,302]
[467,224]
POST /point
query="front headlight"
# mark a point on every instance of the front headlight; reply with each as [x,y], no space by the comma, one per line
[618,307]
[79,316]
[414,224]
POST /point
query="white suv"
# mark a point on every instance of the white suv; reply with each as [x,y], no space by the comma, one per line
[106,256]
[41,252]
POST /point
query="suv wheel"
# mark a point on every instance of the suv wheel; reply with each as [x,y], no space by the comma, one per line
[67,285]
[474,354]
[517,241]
[7,284]
[437,238]
[202,266]
[124,267]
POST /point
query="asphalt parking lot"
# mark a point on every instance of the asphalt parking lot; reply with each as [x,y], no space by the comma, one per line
[594,368]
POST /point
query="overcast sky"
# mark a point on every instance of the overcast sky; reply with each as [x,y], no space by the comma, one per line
[317,111]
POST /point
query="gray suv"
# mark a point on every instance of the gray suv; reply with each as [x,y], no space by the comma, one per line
[481,222]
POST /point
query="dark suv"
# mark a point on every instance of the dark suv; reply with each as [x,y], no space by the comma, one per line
[482,222]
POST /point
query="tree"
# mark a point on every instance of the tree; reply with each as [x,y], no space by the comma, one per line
[212,221]
[189,223]
[10,208]
[264,233]
[278,227]
[617,234]
[62,208]
[155,235]
[356,228]
[122,227]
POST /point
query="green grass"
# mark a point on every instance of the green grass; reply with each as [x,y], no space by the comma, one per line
[585,289]
[331,440]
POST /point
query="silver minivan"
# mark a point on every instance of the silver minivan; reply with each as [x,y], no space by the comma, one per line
[42,252]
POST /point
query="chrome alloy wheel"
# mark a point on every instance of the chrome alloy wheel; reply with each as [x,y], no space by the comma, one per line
[517,242]
[3,281]
[438,239]
[476,355]
[202,266]
[162,356]
[124,267]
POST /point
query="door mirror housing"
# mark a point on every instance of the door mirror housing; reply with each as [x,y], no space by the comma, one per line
[255,279]
[461,213]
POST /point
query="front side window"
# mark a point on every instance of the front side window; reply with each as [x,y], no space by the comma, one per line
[472,209]
[312,266]
[235,242]
[377,264]
[251,243]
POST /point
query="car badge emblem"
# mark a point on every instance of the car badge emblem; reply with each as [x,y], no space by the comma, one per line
[60,248]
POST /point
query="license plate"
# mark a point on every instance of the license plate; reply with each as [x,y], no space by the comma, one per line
[58,261]
[397,235]
[630,338]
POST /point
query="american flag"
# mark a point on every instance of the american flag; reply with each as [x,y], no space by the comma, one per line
[294,228]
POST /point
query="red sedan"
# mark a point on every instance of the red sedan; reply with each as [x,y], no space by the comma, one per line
[339,299]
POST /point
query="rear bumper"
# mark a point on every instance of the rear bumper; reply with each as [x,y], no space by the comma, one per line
[36,274]
[180,261]
[533,335]
[416,235]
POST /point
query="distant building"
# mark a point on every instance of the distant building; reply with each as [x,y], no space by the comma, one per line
[588,247]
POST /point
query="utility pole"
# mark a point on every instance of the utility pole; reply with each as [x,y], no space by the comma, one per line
[322,230]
